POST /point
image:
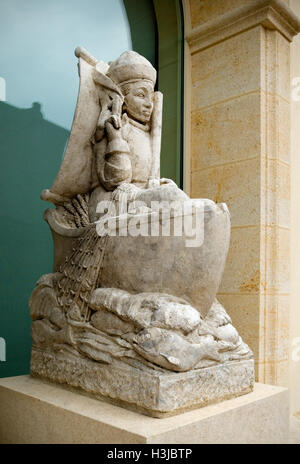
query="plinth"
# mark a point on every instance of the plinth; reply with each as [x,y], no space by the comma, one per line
[156,393]
[37,411]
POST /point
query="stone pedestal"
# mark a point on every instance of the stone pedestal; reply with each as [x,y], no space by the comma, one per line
[35,411]
[154,393]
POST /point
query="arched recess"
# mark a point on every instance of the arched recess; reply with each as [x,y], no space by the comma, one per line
[157,33]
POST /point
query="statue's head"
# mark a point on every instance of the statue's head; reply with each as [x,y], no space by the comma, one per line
[136,77]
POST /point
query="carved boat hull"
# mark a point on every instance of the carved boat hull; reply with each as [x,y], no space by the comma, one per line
[164,264]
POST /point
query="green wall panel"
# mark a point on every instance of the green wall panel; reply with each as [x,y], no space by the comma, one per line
[161,21]
[170,67]
[31,150]
[143,28]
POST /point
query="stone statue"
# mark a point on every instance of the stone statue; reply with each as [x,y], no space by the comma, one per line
[130,313]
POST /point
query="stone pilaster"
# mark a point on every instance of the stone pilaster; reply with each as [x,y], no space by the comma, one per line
[239,54]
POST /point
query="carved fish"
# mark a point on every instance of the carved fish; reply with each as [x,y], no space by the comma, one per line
[170,350]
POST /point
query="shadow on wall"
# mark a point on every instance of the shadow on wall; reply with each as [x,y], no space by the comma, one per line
[31,153]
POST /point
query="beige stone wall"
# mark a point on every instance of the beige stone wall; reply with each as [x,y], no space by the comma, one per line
[206,10]
[295,224]
[239,151]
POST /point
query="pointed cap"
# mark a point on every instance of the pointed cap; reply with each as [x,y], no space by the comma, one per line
[131,66]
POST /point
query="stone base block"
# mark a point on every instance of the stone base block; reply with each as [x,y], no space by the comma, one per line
[155,393]
[36,411]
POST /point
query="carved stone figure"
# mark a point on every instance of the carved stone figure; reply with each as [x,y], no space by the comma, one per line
[130,313]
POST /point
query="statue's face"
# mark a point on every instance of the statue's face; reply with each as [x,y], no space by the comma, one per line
[138,100]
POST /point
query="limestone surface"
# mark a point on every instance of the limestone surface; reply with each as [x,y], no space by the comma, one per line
[130,312]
